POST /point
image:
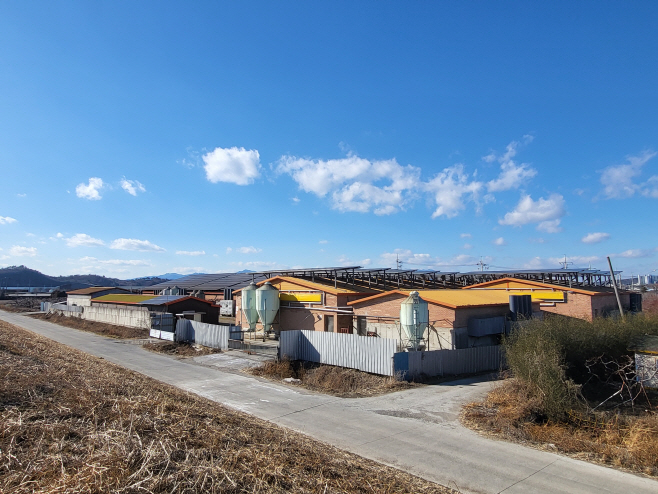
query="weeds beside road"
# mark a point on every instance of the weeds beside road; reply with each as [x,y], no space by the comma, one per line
[337,381]
[72,422]
[574,390]
[101,328]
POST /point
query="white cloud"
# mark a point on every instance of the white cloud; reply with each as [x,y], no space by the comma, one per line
[635,253]
[499,241]
[323,242]
[546,212]
[134,244]
[356,184]
[59,235]
[248,250]
[467,246]
[618,180]
[229,250]
[465,235]
[296,200]
[6,220]
[233,165]
[650,188]
[90,191]
[512,175]
[365,262]
[115,262]
[578,261]
[19,251]
[191,252]
[552,226]
[410,259]
[448,188]
[595,238]
[132,186]
[258,265]
[83,240]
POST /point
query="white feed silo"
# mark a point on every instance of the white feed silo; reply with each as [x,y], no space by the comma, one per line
[267,304]
[249,305]
[414,320]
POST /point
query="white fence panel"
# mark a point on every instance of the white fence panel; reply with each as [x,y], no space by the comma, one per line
[119,316]
[365,353]
[66,308]
[455,362]
[210,335]
[162,335]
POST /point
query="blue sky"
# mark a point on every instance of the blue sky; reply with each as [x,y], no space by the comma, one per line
[138,138]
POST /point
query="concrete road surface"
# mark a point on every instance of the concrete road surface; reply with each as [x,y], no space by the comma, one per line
[415,430]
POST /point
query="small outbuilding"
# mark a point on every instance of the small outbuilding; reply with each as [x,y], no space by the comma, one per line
[84,296]
[646,360]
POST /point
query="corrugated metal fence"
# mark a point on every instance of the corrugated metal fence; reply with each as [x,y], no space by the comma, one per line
[368,354]
[449,362]
[210,335]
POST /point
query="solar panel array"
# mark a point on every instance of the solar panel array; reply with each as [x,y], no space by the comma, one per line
[357,274]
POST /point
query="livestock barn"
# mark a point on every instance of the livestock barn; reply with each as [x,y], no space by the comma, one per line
[453,316]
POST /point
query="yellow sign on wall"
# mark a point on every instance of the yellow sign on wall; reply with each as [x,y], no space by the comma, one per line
[307,297]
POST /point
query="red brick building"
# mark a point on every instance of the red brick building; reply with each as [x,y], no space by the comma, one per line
[450,312]
[580,302]
[308,305]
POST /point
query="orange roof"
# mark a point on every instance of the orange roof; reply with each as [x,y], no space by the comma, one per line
[94,289]
[516,283]
[284,280]
[454,299]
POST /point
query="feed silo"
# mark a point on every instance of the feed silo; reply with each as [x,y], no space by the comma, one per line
[414,320]
[249,306]
[267,305]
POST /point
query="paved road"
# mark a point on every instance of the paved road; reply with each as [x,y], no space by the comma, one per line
[416,430]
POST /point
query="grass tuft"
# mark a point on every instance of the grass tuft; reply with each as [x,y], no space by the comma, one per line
[337,381]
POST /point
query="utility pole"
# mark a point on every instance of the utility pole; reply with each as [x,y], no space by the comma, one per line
[565,263]
[482,265]
[398,263]
[614,285]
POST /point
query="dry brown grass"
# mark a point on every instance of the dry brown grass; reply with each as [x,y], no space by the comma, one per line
[337,381]
[512,411]
[180,349]
[20,305]
[70,422]
[121,332]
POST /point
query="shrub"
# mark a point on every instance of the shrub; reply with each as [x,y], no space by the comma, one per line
[554,357]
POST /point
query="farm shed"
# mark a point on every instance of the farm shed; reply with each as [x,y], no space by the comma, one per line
[84,296]
[646,360]
[451,314]
[579,302]
[309,305]
[172,304]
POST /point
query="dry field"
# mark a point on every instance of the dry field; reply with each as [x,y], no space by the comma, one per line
[121,332]
[337,381]
[71,422]
[512,411]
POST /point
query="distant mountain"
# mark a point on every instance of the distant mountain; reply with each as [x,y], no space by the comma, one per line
[24,276]
[172,276]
